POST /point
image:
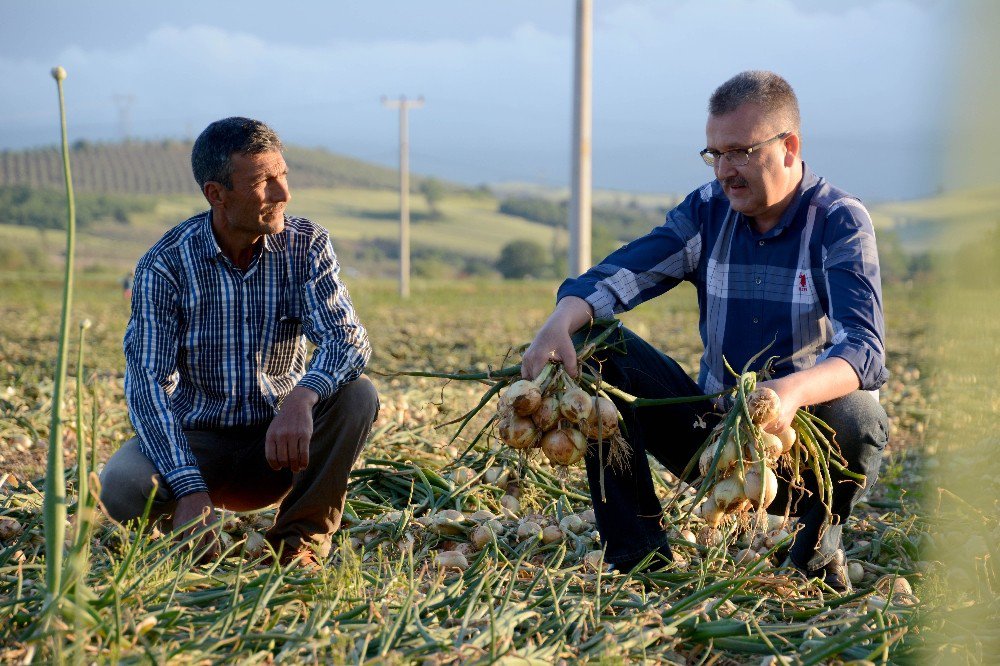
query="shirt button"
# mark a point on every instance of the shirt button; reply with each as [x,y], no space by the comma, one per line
[755,320]
[761,243]
[756,280]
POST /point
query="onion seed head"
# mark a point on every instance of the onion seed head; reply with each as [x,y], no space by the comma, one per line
[58,73]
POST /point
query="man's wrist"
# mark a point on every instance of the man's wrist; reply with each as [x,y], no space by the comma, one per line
[302,395]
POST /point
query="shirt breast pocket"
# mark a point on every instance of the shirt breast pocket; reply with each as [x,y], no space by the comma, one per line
[283,349]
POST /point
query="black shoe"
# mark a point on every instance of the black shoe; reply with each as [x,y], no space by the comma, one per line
[834,573]
[661,558]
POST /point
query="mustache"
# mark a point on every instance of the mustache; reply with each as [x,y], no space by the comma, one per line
[734,181]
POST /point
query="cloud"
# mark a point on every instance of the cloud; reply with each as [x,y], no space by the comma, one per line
[498,107]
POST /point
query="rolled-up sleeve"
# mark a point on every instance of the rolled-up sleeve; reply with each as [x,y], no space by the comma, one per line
[330,322]
[855,291]
[150,345]
[645,268]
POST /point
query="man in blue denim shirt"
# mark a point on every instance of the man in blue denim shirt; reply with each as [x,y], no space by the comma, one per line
[778,257]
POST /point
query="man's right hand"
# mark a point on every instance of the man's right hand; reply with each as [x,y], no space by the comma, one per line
[553,340]
[198,505]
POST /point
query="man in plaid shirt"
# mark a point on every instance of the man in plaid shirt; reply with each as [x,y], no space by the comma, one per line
[226,408]
[778,257]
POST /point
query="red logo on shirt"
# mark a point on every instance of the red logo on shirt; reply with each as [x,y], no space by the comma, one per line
[803,286]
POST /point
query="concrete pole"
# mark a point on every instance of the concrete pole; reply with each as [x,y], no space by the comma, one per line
[580,185]
[404,105]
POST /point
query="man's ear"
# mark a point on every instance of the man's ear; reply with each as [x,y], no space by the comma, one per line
[213,192]
[793,149]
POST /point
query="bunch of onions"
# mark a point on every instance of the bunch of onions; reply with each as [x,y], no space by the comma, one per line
[738,462]
[555,414]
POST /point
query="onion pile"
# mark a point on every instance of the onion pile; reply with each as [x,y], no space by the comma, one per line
[555,414]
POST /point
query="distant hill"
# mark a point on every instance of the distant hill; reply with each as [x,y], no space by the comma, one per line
[164,167]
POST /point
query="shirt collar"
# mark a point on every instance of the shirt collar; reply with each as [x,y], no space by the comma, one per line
[210,249]
[809,181]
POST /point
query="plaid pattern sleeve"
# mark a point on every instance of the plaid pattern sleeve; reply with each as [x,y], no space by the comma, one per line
[850,262]
[151,347]
[645,268]
[342,346]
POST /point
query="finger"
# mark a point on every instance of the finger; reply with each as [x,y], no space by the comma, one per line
[271,453]
[281,447]
[303,457]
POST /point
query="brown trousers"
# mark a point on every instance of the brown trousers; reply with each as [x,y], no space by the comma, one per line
[234,466]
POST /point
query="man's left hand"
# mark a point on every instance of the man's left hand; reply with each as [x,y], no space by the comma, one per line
[288,437]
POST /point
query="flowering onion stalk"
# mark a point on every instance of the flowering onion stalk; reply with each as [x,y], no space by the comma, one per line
[55,481]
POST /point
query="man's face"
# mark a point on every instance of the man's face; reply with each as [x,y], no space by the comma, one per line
[255,205]
[762,188]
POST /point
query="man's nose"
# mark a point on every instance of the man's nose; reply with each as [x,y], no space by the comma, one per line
[724,168]
[278,191]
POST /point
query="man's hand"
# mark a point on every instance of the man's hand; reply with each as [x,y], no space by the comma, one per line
[827,380]
[190,507]
[288,437]
[786,388]
[553,341]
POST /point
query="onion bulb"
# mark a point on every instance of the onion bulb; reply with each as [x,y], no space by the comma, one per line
[602,422]
[760,490]
[523,396]
[728,494]
[710,513]
[551,534]
[787,437]
[451,559]
[547,415]
[518,432]
[575,404]
[482,536]
[564,446]
[773,446]
[764,406]
[528,530]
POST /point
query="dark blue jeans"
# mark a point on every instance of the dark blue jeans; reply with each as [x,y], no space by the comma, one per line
[630,518]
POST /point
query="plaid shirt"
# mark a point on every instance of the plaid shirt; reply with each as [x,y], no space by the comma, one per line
[211,346]
[810,285]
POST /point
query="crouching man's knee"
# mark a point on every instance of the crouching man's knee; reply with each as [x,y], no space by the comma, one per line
[127,480]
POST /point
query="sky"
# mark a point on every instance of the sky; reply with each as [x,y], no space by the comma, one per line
[872,79]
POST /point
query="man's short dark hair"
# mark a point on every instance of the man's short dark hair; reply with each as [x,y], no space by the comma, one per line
[211,157]
[765,89]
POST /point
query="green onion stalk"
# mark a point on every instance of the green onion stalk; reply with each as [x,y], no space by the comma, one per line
[55,481]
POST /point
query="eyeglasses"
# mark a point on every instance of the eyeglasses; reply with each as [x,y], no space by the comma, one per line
[737,156]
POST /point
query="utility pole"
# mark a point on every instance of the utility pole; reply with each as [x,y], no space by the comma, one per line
[404,105]
[124,104]
[580,186]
